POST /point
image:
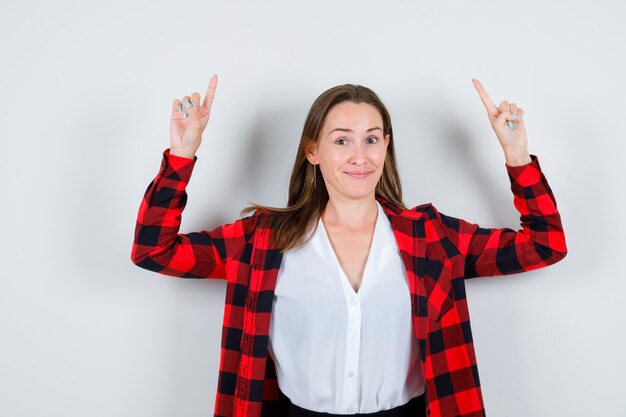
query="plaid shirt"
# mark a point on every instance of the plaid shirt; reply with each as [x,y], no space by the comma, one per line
[438,251]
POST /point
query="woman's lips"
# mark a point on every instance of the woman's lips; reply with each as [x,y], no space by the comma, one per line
[358,174]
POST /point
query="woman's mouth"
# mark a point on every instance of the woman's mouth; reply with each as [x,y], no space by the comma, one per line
[358,174]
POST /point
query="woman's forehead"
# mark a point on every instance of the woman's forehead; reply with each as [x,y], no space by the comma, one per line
[348,116]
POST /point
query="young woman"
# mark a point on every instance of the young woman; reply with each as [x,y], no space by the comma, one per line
[346,302]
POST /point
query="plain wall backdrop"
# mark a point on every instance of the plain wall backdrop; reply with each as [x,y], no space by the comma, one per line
[86,92]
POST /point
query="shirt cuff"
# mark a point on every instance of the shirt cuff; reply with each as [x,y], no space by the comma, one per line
[526,175]
[175,167]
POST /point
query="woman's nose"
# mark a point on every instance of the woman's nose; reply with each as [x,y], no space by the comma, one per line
[358,156]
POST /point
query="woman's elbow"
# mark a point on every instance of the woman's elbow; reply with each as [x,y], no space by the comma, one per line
[551,256]
[144,261]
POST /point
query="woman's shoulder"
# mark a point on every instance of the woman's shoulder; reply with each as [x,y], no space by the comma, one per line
[414,213]
[243,226]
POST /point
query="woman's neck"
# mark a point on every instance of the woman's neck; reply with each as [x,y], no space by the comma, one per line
[351,214]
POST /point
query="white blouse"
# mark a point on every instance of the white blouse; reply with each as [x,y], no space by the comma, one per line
[336,350]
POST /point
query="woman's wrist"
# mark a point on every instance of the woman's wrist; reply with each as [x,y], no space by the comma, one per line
[182,153]
[517,158]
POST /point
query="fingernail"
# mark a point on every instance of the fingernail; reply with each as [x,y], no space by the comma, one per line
[186,115]
[194,104]
[516,117]
[180,108]
[186,104]
[511,124]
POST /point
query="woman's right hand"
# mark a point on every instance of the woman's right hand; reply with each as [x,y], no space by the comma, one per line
[186,132]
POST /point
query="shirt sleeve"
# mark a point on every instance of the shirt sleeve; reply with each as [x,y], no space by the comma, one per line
[501,251]
[158,246]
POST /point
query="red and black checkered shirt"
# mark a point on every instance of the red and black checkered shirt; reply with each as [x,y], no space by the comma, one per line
[438,251]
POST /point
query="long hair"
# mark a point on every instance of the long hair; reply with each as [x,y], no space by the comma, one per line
[307,192]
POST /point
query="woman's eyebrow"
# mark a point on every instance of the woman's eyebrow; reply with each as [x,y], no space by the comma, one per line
[341,129]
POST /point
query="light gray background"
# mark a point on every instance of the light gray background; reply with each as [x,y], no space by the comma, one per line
[86,94]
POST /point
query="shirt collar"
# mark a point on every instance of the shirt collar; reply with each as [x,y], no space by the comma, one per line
[379,248]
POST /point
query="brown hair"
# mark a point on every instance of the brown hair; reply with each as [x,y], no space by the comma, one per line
[307,200]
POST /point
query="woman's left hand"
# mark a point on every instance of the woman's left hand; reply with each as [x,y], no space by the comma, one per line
[507,121]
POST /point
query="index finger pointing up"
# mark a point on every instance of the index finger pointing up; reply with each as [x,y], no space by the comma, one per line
[484,97]
[210,93]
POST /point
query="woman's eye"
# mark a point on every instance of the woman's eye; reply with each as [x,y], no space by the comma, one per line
[343,141]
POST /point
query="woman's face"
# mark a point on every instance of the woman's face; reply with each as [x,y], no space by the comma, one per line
[351,150]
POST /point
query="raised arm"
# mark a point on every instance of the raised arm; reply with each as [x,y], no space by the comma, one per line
[541,241]
[157,245]
[501,251]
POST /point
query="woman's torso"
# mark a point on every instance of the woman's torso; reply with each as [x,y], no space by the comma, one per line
[341,350]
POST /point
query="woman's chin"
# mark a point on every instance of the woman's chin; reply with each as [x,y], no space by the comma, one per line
[359,194]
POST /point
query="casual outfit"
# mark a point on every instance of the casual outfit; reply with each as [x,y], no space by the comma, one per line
[340,351]
[270,344]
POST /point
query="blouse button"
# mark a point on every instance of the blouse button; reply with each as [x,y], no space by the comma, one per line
[353,301]
[350,374]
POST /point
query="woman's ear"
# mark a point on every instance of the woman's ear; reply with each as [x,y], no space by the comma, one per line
[311,153]
[387,138]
